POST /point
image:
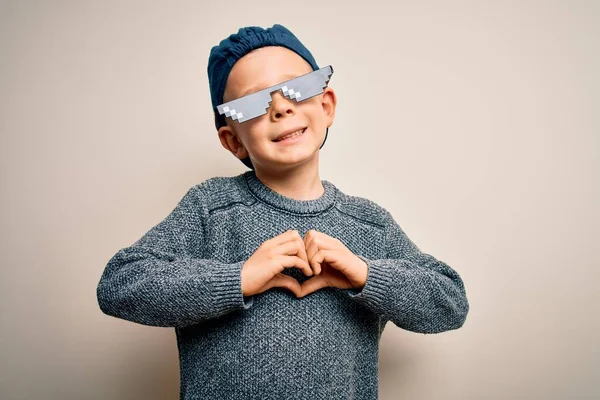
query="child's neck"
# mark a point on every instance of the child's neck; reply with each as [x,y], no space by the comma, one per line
[298,184]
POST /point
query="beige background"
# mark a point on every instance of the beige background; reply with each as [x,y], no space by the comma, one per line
[475,123]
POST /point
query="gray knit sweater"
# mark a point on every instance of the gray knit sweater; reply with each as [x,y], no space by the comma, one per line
[185,273]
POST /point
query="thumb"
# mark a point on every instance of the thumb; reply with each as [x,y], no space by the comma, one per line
[285,281]
[313,284]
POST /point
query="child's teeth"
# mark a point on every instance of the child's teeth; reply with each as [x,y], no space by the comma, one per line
[292,135]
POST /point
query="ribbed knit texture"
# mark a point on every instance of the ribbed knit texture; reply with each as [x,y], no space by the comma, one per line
[185,273]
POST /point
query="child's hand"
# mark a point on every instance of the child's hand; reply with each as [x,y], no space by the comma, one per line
[334,264]
[262,270]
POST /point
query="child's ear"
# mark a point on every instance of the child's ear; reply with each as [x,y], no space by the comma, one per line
[328,103]
[230,140]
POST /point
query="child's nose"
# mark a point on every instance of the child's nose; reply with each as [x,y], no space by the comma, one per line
[281,105]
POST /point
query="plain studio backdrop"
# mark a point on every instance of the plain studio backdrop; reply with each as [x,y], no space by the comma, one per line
[475,123]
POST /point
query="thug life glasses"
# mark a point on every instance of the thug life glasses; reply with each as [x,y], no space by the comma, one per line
[256,104]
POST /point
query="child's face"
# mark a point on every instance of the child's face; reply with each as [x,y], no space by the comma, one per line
[260,69]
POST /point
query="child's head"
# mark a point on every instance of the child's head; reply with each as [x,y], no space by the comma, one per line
[255,59]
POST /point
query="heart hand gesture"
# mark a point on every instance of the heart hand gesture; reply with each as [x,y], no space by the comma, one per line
[330,262]
[334,264]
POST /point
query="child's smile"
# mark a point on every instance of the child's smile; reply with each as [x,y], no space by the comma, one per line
[289,138]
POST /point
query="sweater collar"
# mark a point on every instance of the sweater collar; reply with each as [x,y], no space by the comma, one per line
[277,200]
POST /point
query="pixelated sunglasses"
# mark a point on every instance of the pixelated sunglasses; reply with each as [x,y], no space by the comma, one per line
[256,104]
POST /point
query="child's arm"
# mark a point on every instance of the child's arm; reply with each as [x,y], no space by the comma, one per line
[156,281]
[413,289]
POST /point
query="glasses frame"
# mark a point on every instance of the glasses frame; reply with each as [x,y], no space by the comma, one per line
[255,104]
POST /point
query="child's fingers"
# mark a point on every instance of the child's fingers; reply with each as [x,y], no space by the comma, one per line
[285,237]
[294,247]
[316,266]
[301,250]
[294,261]
[290,236]
[287,282]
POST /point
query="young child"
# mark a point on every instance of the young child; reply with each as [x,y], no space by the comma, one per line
[278,284]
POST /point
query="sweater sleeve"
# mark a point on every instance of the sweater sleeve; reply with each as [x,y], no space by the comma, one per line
[413,289]
[160,281]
